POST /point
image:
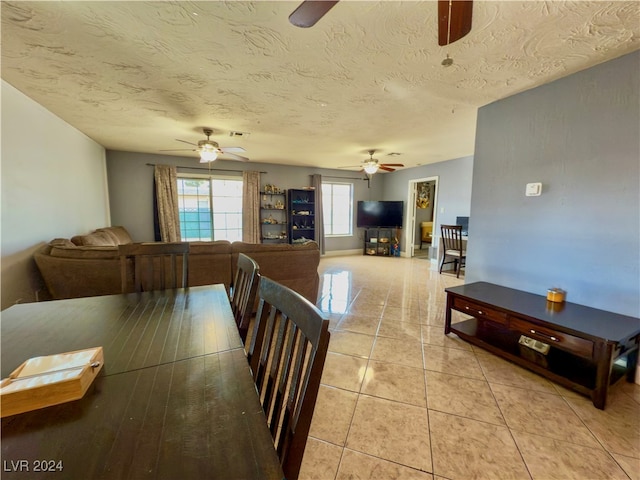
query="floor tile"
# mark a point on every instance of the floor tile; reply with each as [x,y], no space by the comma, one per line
[321,460]
[434,335]
[344,371]
[465,448]
[395,350]
[390,430]
[399,314]
[463,396]
[451,360]
[332,414]
[401,330]
[359,324]
[551,459]
[542,413]
[499,370]
[617,427]
[351,343]
[355,465]
[395,382]
[630,465]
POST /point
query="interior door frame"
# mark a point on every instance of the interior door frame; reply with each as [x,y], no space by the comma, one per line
[412,193]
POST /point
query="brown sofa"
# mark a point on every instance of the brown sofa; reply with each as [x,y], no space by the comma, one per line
[88,265]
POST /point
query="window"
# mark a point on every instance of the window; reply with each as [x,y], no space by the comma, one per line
[210,209]
[337,208]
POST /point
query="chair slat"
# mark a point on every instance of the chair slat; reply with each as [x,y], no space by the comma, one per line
[287,354]
[150,262]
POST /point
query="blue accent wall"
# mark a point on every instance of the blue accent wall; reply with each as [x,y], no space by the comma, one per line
[580,137]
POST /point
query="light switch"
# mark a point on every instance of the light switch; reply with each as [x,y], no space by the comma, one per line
[533,189]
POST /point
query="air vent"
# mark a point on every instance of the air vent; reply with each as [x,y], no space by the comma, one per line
[393,154]
[239,134]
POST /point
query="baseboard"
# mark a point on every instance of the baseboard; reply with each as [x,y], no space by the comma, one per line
[341,253]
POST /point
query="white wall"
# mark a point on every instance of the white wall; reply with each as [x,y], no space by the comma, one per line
[54,184]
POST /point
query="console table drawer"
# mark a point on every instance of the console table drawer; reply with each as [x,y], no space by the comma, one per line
[578,346]
[479,311]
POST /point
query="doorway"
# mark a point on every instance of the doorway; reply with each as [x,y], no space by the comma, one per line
[422,210]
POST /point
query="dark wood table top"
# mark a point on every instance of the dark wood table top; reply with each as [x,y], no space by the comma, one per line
[579,319]
[175,398]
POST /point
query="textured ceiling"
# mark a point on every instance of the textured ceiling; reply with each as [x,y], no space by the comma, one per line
[135,76]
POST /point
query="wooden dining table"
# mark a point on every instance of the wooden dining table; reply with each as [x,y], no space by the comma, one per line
[175,398]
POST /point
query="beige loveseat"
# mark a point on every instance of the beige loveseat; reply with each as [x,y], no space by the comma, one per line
[88,265]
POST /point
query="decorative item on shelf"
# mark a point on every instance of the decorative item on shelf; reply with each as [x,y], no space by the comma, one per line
[270,221]
[279,205]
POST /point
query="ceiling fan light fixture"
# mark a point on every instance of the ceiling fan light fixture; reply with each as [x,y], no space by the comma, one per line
[371,168]
[208,153]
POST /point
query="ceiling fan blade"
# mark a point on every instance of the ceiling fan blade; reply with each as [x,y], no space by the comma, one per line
[391,165]
[386,169]
[352,166]
[454,20]
[184,141]
[309,12]
[232,149]
[233,156]
[179,150]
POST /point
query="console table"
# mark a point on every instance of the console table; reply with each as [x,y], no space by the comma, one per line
[588,349]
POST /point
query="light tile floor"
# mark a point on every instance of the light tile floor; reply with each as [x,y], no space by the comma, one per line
[400,400]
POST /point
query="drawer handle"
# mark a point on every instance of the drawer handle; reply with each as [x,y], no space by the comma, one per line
[479,311]
[555,339]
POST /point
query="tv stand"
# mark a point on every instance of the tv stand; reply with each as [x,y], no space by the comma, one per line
[589,349]
[380,241]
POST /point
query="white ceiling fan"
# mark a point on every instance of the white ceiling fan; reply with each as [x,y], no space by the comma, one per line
[209,150]
[372,165]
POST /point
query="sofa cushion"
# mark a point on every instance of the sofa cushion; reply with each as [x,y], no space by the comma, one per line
[118,234]
[95,239]
[62,242]
[84,252]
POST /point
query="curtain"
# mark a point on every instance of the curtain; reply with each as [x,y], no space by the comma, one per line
[166,187]
[316,182]
[251,207]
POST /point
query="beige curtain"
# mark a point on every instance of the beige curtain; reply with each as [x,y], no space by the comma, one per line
[316,181]
[251,207]
[166,178]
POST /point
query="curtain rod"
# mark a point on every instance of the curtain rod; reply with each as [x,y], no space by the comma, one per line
[344,178]
[207,169]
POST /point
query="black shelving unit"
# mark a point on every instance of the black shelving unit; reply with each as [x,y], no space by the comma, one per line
[273,216]
[379,241]
[301,205]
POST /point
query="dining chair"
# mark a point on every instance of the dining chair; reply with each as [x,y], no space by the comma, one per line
[452,247]
[244,291]
[156,266]
[287,353]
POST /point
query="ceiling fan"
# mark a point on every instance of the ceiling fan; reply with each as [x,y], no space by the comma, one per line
[454,17]
[371,165]
[210,150]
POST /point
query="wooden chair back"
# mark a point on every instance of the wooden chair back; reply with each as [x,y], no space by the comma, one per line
[244,291]
[156,266]
[452,237]
[453,248]
[287,353]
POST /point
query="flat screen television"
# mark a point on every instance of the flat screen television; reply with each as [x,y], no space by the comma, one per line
[380,214]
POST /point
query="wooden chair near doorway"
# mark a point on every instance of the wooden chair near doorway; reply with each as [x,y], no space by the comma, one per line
[287,353]
[156,266]
[452,247]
